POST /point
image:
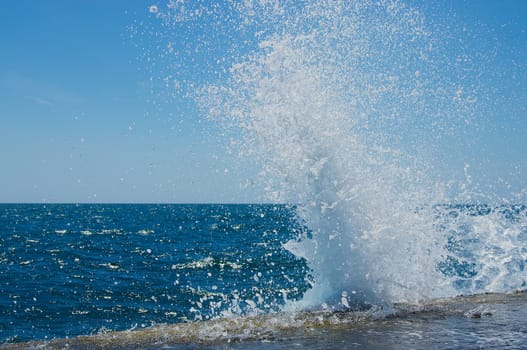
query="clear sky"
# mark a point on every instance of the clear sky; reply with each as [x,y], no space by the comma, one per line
[82,120]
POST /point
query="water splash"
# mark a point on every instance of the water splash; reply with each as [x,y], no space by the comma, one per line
[314,104]
[346,105]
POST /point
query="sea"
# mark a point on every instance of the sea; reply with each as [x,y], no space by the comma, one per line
[215,276]
[389,222]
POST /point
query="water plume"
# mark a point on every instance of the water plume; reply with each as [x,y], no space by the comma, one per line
[345,106]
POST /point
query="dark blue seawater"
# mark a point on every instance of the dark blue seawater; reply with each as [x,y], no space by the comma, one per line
[92,269]
[67,270]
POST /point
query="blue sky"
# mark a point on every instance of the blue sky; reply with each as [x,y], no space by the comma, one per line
[82,120]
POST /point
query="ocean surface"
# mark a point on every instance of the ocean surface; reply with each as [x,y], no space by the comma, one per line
[217,276]
[68,270]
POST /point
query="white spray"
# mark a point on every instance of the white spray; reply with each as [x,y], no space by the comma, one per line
[339,102]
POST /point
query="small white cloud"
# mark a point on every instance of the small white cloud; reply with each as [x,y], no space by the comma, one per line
[43,93]
[42,101]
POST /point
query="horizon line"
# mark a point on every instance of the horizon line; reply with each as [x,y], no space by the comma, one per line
[143,203]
